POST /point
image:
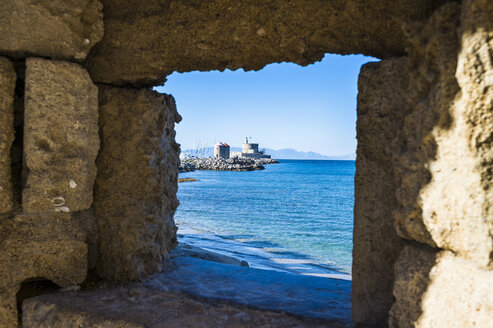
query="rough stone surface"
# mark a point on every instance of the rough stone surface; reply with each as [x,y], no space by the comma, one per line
[57,29]
[381,94]
[432,88]
[138,307]
[7,88]
[60,137]
[439,289]
[445,165]
[135,194]
[146,40]
[89,225]
[464,222]
[37,246]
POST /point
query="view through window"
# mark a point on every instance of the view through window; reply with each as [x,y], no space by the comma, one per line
[295,216]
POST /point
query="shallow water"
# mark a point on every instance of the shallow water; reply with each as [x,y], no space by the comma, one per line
[296,216]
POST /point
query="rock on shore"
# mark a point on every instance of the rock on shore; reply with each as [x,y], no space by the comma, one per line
[221,164]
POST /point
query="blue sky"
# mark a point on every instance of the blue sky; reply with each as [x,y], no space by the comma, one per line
[310,108]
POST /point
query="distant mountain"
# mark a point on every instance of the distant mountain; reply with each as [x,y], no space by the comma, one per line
[290,153]
[286,153]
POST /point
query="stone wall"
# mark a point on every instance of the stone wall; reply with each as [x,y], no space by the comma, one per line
[136,184]
[146,40]
[40,235]
[446,170]
[57,29]
[88,160]
[87,174]
[381,106]
[431,146]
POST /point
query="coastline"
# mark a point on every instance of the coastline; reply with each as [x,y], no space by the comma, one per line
[256,257]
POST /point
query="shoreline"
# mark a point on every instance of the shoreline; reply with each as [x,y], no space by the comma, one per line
[255,257]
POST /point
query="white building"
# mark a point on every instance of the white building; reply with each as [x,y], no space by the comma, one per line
[249,150]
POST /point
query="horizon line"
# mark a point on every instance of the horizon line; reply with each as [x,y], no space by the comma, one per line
[287,148]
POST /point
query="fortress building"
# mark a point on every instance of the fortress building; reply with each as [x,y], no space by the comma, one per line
[249,150]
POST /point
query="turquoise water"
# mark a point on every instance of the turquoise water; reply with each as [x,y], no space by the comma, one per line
[294,216]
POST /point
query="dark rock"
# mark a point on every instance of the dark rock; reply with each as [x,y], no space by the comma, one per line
[7,87]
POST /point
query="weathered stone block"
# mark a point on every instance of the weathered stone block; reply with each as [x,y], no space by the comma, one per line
[135,193]
[61,139]
[381,108]
[146,40]
[458,202]
[38,246]
[433,49]
[439,289]
[7,89]
[445,171]
[432,60]
[57,29]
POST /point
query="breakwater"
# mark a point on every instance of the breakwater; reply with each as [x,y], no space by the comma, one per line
[221,164]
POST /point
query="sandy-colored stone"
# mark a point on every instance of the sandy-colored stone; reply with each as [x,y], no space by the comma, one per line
[439,289]
[38,247]
[135,194]
[445,172]
[146,40]
[57,29]
[458,203]
[61,139]
[7,89]
[432,89]
[135,306]
[381,104]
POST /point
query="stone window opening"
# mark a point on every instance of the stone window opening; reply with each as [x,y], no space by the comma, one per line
[236,117]
[95,134]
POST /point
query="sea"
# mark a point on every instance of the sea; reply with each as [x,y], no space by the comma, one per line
[295,216]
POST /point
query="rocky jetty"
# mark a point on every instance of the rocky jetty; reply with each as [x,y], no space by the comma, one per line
[221,164]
